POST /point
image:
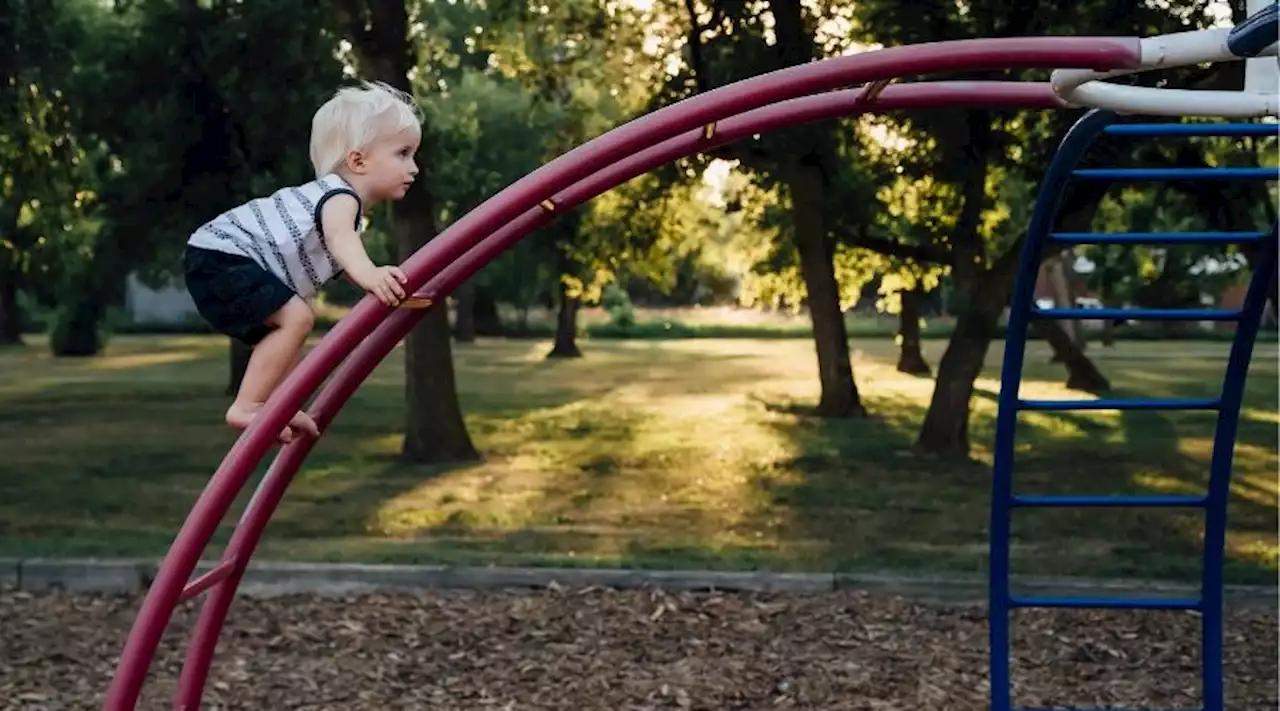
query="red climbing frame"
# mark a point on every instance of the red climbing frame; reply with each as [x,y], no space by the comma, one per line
[370,331]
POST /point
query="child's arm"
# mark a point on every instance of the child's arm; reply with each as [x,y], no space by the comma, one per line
[337,218]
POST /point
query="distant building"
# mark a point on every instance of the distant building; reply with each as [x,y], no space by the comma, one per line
[169,304]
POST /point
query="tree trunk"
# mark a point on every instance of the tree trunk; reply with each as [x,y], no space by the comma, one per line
[1055,272]
[239,360]
[77,330]
[910,357]
[10,311]
[434,429]
[487,319]
[983,292]
[839,391]
[1108,338]
[566,343]
[946,425]
[464,315]
[801,154]
[1082,374]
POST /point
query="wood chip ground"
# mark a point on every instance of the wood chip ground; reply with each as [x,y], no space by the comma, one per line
[598,648]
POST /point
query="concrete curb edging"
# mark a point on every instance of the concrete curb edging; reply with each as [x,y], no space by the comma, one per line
[267,579]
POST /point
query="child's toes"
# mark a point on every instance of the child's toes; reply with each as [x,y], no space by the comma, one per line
[303,421]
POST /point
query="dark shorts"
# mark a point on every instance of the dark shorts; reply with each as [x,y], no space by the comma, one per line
[233,293]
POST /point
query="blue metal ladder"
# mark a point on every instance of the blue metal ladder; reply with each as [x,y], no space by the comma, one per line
[1004,500]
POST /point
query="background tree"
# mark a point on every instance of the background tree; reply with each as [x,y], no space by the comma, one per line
[583,57]
[729,41]
[384,50]
[987,165]
[47,167]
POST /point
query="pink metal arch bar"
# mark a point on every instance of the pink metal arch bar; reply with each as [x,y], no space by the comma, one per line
[375,348]
[435,266]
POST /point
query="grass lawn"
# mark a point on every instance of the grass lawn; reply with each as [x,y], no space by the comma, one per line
[645,453]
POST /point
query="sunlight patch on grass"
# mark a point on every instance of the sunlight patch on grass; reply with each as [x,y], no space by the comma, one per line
[142,360]
[492,494]
[703,453]
[1164,484]
[1245,455]
[1257,548]
[652,465]
[382,445]
[1268,416]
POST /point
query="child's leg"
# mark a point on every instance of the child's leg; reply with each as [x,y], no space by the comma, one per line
[273,357]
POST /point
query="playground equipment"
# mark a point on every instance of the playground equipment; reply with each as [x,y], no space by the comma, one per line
[1040,236]
[797,94]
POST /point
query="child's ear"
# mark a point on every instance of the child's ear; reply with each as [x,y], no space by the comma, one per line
[356,161]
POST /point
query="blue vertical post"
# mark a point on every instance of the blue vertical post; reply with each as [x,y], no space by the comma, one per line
[1057,177]
[1224,440]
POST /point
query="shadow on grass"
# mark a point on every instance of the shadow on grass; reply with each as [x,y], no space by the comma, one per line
[581,467]
[556,437]
[1143,453]
[871,501]
[852,495]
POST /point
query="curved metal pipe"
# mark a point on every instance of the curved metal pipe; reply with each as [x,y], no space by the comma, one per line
[373,350]
[617,144]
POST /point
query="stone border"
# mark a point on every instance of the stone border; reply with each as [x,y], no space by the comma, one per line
[267,579]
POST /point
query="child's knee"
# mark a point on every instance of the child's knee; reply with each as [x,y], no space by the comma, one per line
[295,316]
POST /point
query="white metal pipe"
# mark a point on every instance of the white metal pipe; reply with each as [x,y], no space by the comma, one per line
[1261,74]
[1083,87]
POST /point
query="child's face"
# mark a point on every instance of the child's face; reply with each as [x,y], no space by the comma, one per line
[389,166]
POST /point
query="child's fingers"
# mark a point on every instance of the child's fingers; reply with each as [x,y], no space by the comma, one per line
[393,287]
[398,273]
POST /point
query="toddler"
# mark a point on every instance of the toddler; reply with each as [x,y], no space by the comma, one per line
[254,270]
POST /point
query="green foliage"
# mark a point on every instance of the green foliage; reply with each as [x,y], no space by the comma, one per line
[487,131]
[936,146]
[136,123]
[46,168]
[206,127]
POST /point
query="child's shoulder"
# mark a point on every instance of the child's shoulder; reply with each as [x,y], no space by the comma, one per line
[310,190]
[296,201]
[295,205]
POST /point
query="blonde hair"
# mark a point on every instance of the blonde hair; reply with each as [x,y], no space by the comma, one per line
[354,117]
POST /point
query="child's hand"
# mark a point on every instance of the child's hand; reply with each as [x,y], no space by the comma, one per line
[384,283]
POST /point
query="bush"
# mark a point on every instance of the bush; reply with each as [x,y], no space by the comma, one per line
[78,329]
[616,300]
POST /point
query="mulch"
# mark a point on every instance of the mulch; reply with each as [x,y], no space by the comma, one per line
[594,648]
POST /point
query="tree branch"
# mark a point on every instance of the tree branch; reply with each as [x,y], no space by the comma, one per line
[350,14]
[925,253]
[697,64]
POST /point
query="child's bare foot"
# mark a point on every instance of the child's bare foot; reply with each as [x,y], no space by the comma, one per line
[302,421]
[240,417]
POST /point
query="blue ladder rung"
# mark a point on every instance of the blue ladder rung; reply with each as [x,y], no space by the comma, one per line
[1193,129]
[1140,314]
[1156,237]
[1120,404]
[1238,173]
[1084,501]
[1108,603]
